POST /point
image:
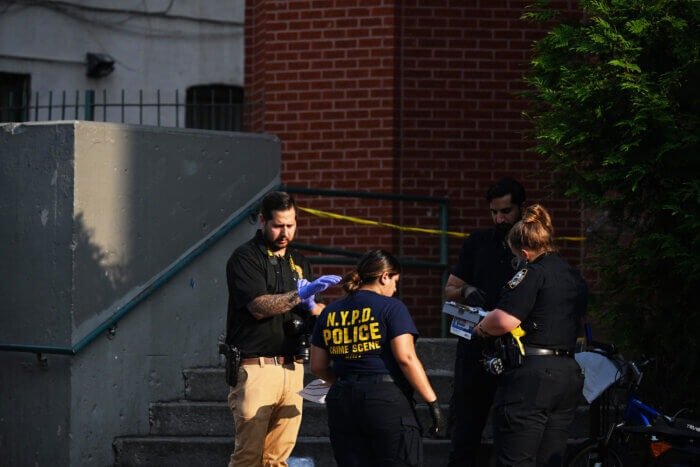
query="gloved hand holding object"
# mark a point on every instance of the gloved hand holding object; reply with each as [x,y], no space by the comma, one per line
[310,302]
[308,290]
[437,428]
[473,296]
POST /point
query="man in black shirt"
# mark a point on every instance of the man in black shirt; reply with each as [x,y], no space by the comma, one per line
[269,287]
[485,265]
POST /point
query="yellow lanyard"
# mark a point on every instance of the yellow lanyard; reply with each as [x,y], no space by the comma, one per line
[294,267]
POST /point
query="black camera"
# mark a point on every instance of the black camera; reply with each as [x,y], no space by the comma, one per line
[301,328]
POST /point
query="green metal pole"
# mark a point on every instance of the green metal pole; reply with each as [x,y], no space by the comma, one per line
[444,259]
[25,106]
[89,105]
[177,108]
[229,114]
[211,111]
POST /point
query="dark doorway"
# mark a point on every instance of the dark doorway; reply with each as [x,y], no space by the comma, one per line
[14,97]
[215,107]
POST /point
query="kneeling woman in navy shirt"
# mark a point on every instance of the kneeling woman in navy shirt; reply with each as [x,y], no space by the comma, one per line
[369,338]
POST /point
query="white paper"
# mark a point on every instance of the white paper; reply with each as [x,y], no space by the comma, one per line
[471,314]
[599,372]
[464,318]
[461,328]
[315,391]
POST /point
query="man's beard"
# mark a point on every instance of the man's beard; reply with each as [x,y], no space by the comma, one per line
[271,242]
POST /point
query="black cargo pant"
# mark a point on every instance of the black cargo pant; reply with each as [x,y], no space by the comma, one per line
[470,403]
[533,408]
[373,424]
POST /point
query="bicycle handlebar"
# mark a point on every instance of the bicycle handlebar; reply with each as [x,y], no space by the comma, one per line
[609,350]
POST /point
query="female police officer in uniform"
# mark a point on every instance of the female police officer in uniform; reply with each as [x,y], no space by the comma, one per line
[369,337]
[535,402]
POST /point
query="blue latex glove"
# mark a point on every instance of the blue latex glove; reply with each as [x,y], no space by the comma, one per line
[319,285]
[310,302]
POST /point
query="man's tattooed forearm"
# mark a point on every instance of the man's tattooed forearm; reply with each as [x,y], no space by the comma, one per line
[271,305]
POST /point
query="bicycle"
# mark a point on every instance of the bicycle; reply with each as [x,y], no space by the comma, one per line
[670,440]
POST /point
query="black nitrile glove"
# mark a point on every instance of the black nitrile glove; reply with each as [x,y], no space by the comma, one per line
[437,429]
[473,296]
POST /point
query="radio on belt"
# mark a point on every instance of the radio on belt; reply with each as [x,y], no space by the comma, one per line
[464,318]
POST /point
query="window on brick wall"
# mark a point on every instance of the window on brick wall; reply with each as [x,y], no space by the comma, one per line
[215,107]
[14,97]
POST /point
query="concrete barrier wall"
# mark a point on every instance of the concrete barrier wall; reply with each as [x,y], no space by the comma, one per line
[90,213]
[36,209]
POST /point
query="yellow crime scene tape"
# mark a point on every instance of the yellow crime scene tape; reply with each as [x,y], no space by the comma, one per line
[357,220]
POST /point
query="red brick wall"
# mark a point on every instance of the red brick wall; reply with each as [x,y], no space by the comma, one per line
[328,72]
[461,124]
[410,97]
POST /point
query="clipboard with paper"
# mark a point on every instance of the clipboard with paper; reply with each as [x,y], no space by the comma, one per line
[464,318]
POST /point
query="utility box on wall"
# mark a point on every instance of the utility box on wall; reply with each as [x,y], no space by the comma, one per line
[89,214]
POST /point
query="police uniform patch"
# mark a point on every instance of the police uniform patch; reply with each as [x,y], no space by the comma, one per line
[517,278]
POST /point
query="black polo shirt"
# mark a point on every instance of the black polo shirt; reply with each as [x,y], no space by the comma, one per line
[549,296]
[252,271]
[485,262]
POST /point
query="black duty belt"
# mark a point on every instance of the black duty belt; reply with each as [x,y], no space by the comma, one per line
[539,351]
[277,360]
[366,378]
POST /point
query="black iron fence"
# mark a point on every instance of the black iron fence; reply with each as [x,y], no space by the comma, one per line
[215,108]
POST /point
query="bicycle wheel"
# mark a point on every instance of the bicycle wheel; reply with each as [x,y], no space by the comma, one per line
[595,454]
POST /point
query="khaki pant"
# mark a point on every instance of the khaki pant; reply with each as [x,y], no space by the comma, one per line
[267,412]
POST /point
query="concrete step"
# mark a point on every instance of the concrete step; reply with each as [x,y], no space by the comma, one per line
[437,356]
[208,384]
[437,353]
[187,418]
[195,451]
[157,451]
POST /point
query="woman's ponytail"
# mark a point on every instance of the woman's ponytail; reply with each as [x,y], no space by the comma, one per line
[533,231]
[369,268]
[352,282]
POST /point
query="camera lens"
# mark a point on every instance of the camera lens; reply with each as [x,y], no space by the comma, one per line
[303,351]
[303,354]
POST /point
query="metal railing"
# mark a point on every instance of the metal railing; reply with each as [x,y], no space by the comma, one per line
[144,293]
[201,109]
[346,257]
[443,264]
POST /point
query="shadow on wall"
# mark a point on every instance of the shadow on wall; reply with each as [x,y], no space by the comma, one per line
[98,277]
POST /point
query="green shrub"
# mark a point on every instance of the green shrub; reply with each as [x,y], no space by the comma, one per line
[615,107]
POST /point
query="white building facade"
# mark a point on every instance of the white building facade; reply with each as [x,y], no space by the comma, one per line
[152,62]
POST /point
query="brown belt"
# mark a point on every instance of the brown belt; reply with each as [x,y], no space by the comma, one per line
[281,360]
